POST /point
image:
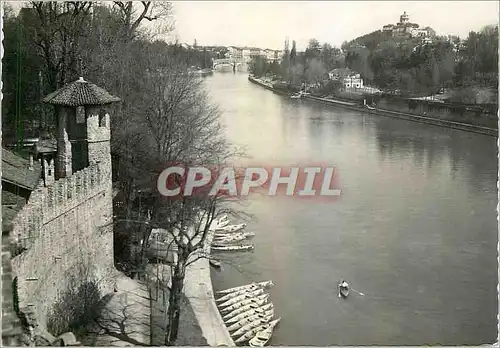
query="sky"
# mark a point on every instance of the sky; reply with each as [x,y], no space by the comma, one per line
[266,24]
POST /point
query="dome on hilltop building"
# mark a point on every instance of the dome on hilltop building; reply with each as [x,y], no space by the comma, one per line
[80,93]
[404,17]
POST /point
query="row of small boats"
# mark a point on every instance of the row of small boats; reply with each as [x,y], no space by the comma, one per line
[248,313]
[226,236]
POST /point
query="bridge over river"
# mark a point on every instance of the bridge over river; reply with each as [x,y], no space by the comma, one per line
[236,63]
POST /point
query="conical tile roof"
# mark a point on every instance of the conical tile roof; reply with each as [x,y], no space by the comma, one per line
[80,93]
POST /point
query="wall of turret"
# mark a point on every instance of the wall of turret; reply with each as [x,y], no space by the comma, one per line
[64,225]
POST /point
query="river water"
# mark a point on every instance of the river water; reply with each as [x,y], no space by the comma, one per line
[415,229]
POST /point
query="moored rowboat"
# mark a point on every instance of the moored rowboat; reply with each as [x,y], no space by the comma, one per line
[264,285]
[243,247]
[241,331]
[261,338]
[234,235]
[245,310]
[226,240]
[251,319]
[242,297]
[248,335]
[259,300]
[233,318]
[237,293]
[231,228]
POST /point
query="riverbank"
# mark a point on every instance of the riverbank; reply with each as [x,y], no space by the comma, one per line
[198,290]
[387,113]
[190,333]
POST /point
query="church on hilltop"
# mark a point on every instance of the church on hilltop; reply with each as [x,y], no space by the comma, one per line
[405,28]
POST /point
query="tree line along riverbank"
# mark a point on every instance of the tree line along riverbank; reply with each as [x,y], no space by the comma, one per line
[466,118]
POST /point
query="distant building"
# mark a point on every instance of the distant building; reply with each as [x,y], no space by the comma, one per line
[234,52]
[348,78]
[405,28]
[269,54]
[255,52]
[246,53]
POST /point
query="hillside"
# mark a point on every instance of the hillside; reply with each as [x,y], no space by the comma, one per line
[422,65]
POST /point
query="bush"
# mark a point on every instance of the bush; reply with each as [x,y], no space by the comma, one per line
[78,306]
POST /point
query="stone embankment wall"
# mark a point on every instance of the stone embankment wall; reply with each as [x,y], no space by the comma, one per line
[63,226]
[442,111]
[443,115]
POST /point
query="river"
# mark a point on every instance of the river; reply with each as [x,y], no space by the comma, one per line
[415,229]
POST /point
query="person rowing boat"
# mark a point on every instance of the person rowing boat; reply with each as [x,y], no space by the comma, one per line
[343,289]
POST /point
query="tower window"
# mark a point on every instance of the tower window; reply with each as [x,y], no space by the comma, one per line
[102,118]
[80,114]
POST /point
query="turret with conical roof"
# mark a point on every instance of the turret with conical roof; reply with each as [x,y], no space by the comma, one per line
[83,126]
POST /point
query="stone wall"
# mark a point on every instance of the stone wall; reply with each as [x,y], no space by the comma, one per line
[447,112]
[62,226]
[11,325]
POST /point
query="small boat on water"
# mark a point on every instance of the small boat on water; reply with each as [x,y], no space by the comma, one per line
[245,310]
[264,285]
[259,300]
[233,318]
[254,324]
[248,320]
[232,234]
[248,335]
[230,239]
[243,247]
[215,263]
[242,297]
[237,293]
[261,338]
[343,289]
[231,228]
[221,223]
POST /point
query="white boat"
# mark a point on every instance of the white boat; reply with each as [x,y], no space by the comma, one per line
[245,321]
[233,247]
[225,240]
[219,235]
[237,293]
[264,285]
[259,300]
[233,318]
[239,236]
[242,297]
[262,337]
[241,310]
[221,223]
[248,335]
[245,310]
[254,324]
[231,228]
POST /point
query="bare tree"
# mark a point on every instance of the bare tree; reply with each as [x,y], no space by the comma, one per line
[58,29]
[132,16]
[178,125]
